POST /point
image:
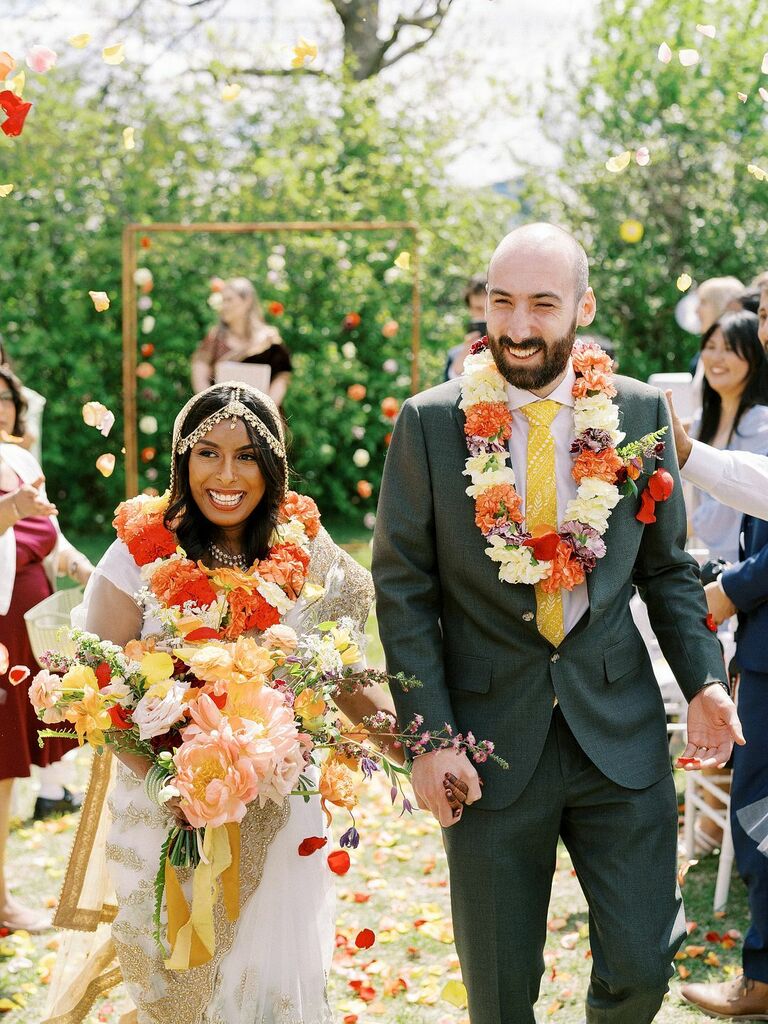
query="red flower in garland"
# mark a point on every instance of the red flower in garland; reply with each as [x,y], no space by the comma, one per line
[17,111]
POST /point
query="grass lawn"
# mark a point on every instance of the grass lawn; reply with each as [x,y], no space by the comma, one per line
[397,886]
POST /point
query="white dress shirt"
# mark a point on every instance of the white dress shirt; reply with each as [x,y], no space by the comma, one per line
[576,601]
[737,479]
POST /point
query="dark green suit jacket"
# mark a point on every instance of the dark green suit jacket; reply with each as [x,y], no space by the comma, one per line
[472,640]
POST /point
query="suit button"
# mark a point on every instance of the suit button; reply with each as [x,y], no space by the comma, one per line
[527,616]
[555,657]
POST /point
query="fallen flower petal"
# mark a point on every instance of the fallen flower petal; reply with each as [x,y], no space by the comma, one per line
[5,190]
[365,939]
[106,464]
[41,59]
[339,862]
[617,164]
[664,54]
[18,674]
[80,41]
[100,301]
[113,54]
[4,659]
[311,844]
[17,112]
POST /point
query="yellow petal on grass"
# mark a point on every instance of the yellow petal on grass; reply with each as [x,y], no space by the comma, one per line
[17,83]
[619,163]
[303,53]
[757,172]
[664,54]
[80,41]
[129,138]
[764,65]
[231,92]
[689,58]
[5,190]
[403,261]
[684,282]
[763,94]
[707,30]
[106,464]
[7,64]
[100,301]
[631,231]
[455,993]
[113,54]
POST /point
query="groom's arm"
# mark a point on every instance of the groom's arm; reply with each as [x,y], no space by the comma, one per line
[669,583]
[406,577]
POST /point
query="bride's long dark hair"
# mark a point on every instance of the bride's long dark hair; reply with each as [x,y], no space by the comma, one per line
[193,530]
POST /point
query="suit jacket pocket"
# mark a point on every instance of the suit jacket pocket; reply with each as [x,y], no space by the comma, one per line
[466,672]
[628,655]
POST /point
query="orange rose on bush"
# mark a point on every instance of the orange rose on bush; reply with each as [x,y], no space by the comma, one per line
[356,392]
[364,489]
[390,407]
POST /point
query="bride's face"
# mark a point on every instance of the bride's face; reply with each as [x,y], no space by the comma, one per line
[224,476]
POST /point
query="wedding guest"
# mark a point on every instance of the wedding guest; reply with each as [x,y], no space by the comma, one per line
[32,438]
[32,553]
[714,295]
[743,589]
[737,479]
[733,416]
[474,300]
[242,336]
[749,300]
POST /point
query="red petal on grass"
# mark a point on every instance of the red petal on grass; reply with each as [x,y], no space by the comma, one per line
[311,845]
[365,939]
[16,110]
[339,862]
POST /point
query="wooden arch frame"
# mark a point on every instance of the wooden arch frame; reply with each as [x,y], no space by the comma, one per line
[130,310]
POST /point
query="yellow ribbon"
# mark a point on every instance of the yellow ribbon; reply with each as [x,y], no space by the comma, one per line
[191,933]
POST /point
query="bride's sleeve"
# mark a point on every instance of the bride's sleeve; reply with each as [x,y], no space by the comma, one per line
[108,608]
[348,586]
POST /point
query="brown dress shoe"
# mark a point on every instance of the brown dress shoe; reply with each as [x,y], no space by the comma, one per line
[738,999]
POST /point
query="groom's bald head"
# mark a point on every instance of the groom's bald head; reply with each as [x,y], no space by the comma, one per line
[556,251]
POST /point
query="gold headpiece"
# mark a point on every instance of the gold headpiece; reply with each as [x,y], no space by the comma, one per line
[234,410]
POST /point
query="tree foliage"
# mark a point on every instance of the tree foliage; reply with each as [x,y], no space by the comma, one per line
[702,212]
[317,153]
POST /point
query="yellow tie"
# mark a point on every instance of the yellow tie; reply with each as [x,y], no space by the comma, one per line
[541,505]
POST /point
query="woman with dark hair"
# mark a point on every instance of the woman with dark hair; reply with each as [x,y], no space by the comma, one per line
[35,404]
[33,553]
[229,509]
[733,416]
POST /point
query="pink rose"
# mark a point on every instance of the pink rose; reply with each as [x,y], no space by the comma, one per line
[155,715]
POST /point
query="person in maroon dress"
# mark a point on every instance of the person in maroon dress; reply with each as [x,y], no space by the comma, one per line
[32,552]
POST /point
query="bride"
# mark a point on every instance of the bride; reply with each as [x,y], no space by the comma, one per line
[228,494]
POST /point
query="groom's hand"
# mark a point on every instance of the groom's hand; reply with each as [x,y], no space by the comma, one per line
[427,778]
[713,728]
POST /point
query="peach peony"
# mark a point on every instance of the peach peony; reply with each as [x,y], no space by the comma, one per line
[280,638]
[215,777]
[212,663]
[567,571]
[603,465]
[304,509]
[489,419]
[498,506]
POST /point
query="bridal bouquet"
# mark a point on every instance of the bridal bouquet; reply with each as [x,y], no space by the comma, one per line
[226,724]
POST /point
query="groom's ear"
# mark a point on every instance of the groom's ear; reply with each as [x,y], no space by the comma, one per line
[587,309]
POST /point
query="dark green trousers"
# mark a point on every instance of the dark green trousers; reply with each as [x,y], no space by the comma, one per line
[623,843]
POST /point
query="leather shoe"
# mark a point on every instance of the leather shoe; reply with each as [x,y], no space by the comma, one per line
[45,808]
[738,999]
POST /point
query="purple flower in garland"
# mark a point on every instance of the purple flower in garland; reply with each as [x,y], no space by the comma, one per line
[509,531]
[478,445]
[350,839]
[655,451]
[587,543]
[591,440]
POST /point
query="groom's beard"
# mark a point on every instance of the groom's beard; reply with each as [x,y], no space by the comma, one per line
[535,377]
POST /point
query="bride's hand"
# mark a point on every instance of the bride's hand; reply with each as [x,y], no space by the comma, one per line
[173,806]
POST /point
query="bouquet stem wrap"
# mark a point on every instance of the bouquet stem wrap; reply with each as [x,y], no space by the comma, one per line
[191,932]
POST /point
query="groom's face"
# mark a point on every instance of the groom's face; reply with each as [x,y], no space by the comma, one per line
[533,313]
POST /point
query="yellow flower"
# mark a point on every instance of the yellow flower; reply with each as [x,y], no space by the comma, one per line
[349,651]
[337,784]
[309,707]
[89,716]
[80,677]
[156,667]
[303,53]
[160,689]
[631,231]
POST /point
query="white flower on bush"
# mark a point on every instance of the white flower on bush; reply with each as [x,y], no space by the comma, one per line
[516,564]
[486,471]
[593,504]
[154,715]
[599,413]
[361,458]
[349,350]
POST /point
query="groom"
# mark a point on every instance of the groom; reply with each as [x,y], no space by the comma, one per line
[562,684]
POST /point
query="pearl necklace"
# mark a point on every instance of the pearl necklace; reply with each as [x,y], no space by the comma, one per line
[232,561]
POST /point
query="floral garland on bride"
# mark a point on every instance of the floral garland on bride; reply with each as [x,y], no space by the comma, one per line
[199,603]
[542,553]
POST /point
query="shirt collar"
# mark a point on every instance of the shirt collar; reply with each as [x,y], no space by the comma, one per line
[563,393]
